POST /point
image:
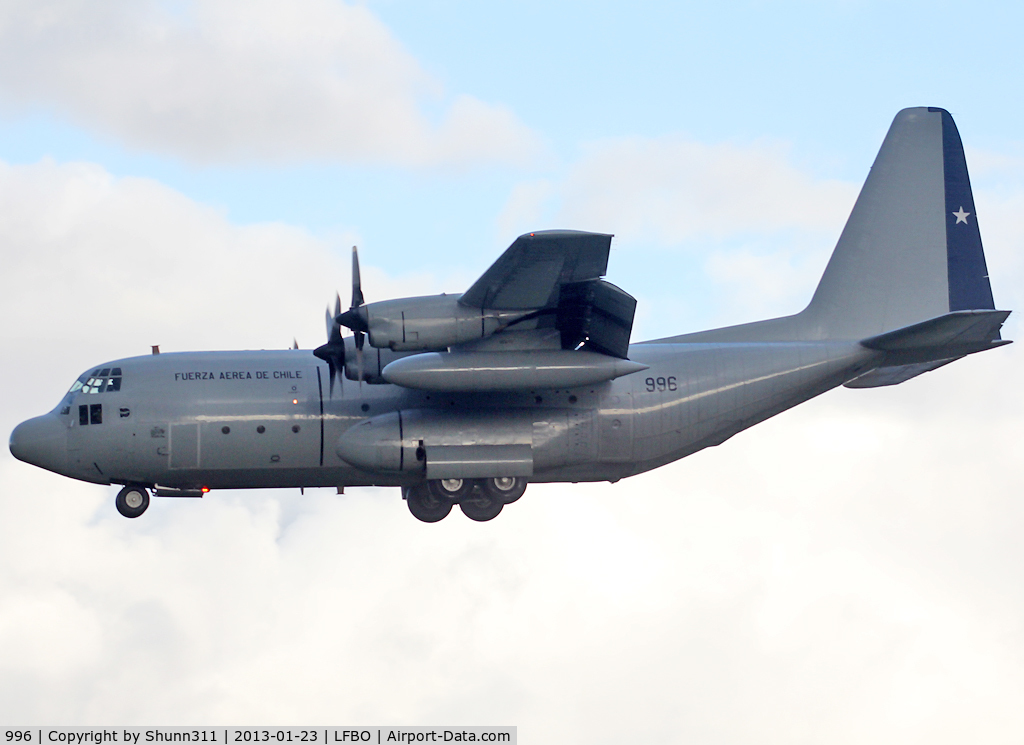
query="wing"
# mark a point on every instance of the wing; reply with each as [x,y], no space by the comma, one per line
[531,271]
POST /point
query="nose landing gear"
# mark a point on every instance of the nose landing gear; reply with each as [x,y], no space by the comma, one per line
[132,500]
[479,499]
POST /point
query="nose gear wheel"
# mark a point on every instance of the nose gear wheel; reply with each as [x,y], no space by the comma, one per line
[132,500]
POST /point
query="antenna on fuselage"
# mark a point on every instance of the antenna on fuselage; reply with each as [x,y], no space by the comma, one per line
[155,348]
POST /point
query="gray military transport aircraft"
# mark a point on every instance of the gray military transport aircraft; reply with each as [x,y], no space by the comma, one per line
[529,375]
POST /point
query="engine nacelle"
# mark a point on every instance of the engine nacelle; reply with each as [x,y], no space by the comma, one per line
[434,322]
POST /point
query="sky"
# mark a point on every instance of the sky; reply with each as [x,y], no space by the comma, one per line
[193,174]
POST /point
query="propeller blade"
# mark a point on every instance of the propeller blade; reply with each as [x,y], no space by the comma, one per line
[333,352]
[359,358]
[357,284]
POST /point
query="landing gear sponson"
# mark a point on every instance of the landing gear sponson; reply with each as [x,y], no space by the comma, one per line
[479,499]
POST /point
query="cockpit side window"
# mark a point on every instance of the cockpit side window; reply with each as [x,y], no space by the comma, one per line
[106,379]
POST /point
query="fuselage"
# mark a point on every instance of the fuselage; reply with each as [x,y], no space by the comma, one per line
[268,419]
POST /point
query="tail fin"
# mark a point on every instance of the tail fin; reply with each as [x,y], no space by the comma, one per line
[910,252]
[911,249]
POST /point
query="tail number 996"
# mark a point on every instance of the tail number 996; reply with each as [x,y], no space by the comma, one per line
[661,384]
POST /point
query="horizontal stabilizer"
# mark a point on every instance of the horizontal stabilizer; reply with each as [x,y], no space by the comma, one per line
[960,332]
[925,346]
[883,376]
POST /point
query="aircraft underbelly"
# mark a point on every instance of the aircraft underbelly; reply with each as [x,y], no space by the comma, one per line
[699,395]
[518,442]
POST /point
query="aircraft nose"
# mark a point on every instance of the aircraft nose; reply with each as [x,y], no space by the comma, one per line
[42,441]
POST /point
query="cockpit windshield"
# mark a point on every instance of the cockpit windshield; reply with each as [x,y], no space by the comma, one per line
[102,380]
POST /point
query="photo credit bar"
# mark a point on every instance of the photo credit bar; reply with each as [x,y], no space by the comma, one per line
[221,735]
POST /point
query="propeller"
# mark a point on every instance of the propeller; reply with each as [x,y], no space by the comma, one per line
[355,317]
[333,352]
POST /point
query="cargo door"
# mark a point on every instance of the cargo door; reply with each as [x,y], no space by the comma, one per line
[183,445]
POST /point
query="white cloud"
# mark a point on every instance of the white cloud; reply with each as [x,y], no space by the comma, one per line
[853,566]
[757,229]
[98,267]
[236,80]
[749,229]
[989,164]
[672,189]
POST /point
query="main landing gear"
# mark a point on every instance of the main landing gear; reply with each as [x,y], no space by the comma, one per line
[479,499]
[132,500]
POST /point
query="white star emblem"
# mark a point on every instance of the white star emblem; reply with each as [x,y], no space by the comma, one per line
[961,216]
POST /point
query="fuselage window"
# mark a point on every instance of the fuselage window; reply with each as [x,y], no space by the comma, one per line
[108,379]
[90,414]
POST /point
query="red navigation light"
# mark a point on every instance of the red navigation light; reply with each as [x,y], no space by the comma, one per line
[205,489]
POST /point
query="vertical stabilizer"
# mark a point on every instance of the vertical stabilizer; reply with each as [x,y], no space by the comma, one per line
[910,252]
[911,249]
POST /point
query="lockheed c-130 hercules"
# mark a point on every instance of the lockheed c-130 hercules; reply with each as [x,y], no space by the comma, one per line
[530,375]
